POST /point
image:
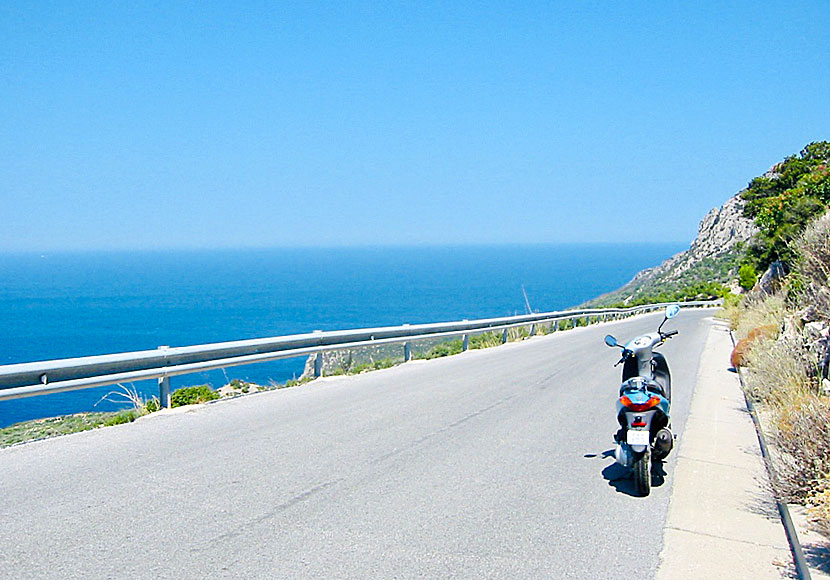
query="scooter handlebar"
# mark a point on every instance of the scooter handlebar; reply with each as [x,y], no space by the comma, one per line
[625,354]
[670,333]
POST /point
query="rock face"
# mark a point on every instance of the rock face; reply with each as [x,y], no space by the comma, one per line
[722,228]
[771,280]
[718,234]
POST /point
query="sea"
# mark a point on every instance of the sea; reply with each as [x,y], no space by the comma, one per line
[61,305]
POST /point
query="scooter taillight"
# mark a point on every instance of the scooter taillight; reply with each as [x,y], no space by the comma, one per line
[650,404]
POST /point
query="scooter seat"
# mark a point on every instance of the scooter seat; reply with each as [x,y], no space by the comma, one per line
[637,384]
[656,388]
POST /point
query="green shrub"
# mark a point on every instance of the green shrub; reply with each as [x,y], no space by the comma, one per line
[193,395]
[485,340]
[152,405]
[448,348]
[783,203]
[295,382]
[240,385]
[120,418]
[518,333]
[747,276]
[384,363]
[51,427]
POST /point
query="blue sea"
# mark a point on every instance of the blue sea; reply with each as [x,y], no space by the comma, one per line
[61,305]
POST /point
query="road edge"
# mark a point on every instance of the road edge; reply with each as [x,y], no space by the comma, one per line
[722,520]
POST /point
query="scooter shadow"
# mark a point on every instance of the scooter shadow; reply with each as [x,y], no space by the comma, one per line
[622,479]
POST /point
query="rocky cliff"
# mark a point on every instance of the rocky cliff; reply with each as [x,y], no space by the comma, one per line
[712,257]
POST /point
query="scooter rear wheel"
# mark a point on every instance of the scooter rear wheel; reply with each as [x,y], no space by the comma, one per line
[642,473]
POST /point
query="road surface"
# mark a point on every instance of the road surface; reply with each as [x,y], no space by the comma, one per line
[489,464]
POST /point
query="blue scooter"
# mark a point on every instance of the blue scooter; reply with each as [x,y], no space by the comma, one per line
[643,409]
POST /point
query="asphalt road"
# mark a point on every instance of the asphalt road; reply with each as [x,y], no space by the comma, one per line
[490,464]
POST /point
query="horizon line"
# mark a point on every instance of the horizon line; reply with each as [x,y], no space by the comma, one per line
[391,246]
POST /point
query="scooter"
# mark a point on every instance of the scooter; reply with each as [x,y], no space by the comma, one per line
[643,409]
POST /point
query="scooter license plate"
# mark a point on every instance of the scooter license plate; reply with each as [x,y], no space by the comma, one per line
[637,437]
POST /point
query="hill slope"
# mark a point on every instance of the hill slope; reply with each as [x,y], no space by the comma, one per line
[712,257]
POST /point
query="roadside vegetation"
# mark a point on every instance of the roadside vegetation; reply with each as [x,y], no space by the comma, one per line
[783,201]
[136,407]
[783,324]
[681,293]
[54,426]
[709,278]
[372,358]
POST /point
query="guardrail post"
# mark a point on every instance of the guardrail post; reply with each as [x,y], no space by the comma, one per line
[318,365]
[164,383]
[407,349]
[164,391]
[533,329]
[555,325]
[504,336]
[465,343]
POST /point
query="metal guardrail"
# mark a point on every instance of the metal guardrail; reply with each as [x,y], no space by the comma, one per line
[44,377]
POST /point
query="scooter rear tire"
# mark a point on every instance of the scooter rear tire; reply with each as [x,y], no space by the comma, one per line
[642,473]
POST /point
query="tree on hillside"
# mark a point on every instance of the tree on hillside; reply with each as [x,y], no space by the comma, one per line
[784,200]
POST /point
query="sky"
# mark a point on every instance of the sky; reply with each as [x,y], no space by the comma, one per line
[163,125]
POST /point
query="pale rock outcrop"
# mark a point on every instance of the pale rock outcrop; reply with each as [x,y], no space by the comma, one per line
[718,233]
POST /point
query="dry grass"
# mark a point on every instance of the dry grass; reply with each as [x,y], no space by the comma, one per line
[758,312]
[813,267]
[818,506]
[732,311]
[782,376]
[518,333]
[485,340]
[129,395]
[802,437]
[775,370]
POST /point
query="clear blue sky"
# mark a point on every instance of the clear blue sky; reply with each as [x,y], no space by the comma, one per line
[162,124]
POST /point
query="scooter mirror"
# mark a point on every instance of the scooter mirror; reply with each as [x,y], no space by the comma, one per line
[610,340]
[672,311]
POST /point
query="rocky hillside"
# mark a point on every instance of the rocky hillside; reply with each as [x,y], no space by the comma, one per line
[712,257]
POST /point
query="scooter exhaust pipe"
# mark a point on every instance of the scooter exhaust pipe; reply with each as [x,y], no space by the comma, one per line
[623,455]
[663,443]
